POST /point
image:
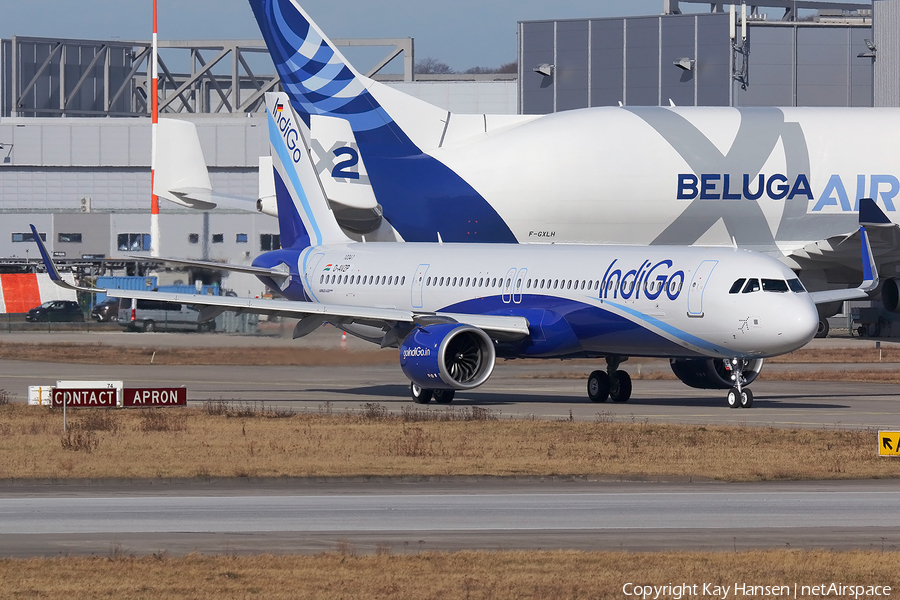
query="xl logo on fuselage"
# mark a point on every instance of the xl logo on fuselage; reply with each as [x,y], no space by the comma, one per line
[288,132]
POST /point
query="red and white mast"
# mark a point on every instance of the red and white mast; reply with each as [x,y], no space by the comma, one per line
[154,95]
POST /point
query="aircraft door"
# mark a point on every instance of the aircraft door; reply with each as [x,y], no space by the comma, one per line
[418,283]
[310,273]
[508,282]
[519,284]
[698,285]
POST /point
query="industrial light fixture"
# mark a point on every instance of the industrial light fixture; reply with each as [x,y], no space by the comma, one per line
[872,50]
[685,64]
[545,69]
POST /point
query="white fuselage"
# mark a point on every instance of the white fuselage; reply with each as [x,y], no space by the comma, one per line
[656,301]
[651,175]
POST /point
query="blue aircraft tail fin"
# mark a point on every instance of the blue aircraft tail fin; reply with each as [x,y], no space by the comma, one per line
[421,197]
[304,215]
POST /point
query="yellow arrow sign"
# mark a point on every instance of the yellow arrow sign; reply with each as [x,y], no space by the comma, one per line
[889,443]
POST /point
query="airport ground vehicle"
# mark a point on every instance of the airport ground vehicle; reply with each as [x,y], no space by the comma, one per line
[106,311]
[64,311]
[150,315]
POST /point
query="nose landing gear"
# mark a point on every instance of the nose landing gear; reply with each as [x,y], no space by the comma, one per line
[739,396]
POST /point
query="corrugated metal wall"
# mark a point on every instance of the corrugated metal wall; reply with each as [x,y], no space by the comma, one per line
[602,62]
[807,65]
[887,65]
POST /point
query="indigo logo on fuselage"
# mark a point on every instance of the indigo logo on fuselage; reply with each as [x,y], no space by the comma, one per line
[651,280]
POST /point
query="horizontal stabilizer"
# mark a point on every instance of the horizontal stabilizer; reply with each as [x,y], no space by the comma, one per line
[206,199]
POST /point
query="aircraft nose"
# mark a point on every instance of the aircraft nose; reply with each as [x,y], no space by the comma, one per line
[799,323]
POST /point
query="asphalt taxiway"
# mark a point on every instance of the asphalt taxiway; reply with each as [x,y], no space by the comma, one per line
[410,515]
[551,391]
[402,516]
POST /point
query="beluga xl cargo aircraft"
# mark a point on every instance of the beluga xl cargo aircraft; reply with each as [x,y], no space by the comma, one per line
[786,182]
[453,308]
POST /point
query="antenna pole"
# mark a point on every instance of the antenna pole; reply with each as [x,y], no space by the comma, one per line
[154,100]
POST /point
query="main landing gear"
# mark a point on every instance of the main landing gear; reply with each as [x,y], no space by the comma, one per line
[738,396]
[422,395]
[612,383]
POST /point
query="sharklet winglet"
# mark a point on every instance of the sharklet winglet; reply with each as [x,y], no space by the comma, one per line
[52,271]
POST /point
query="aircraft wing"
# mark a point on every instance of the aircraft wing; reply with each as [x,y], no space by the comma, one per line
[311,314]
[869,269]
[505,327]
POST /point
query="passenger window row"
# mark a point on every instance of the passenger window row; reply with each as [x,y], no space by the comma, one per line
[549,284]
[748,286]
[495,282]
[466,282]
[362,279]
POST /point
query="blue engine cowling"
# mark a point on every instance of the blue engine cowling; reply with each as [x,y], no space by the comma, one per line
[447,356]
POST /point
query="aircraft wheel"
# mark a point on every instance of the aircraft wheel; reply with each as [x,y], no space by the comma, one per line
[419,394]
[822,329]
[622,391]
[733,398]
[443,396]
[598,386]
[746,398]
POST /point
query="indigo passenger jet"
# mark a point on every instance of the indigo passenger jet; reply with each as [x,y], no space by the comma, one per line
[453,308]
[782,181]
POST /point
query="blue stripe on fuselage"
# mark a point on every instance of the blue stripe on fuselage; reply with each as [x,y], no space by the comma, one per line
[594,329]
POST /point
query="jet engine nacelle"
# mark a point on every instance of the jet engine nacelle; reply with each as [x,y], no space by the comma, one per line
[890,295]
[447,356]
[710,373]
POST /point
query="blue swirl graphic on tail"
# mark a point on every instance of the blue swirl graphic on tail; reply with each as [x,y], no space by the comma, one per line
[420,195]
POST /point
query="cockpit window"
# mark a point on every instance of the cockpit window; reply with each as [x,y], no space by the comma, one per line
[796,286]
[736,286]
[774,285]
[752,286]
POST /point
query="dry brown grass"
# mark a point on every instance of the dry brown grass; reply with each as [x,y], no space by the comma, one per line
[243,442]
[888,354]
[856,375]
[465,575]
